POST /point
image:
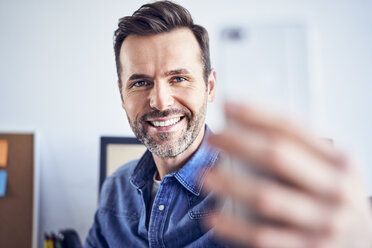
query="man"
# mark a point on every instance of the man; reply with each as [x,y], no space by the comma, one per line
[165,82]
[313,197]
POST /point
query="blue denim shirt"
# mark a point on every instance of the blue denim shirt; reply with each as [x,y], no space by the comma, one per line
[177,213]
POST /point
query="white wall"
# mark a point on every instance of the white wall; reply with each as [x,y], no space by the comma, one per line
[57,74]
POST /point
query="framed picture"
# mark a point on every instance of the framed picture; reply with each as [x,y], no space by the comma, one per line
[115,152]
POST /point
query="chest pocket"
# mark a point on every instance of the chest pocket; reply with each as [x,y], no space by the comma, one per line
[129,215]
[120,203]
[202,206]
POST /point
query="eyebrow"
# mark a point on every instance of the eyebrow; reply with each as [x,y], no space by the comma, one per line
[168,73]
[138,76]
[177,72]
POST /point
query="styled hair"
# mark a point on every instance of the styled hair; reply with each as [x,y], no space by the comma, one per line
[160,17]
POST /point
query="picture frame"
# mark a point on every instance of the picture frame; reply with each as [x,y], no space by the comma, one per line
[115,152]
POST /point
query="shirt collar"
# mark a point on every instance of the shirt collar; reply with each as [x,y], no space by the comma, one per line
[144,171]
[191,175]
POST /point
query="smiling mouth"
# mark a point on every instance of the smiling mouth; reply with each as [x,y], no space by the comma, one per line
[166,123]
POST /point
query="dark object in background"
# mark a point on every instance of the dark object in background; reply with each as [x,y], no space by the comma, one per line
[67,238]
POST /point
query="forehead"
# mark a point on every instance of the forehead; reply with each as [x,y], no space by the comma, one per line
[151,54]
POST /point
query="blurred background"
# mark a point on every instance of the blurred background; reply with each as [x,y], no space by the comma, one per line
[58,78]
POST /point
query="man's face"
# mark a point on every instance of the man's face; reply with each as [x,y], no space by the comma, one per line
[164,93]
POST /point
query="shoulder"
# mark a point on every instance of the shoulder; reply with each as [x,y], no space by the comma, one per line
[124,171]
[118,183]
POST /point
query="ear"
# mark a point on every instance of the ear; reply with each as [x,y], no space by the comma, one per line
[118,85]
[212,85]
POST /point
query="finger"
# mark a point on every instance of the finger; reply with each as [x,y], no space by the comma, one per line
[275,124]
[257,235]
[272,201]
[227,184]
[282,159]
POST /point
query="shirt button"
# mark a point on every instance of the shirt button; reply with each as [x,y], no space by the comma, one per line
[161,207]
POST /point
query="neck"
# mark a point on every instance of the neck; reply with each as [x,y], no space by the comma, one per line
[168,165]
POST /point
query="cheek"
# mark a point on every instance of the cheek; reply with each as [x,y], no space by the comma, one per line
[134,105]
[191,98]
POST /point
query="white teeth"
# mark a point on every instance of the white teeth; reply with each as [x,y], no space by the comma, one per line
[165,123]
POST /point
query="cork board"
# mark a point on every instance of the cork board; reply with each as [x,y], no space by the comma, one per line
[16,207]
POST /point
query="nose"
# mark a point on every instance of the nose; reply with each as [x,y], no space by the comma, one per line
[161,96]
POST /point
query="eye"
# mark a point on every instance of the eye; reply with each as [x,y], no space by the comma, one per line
[140,84]
[178,79]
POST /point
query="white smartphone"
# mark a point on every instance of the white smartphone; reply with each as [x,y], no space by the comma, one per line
[262,64]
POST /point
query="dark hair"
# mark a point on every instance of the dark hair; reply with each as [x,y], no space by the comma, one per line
[160,17]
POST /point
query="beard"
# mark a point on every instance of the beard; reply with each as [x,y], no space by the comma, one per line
[162,144]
